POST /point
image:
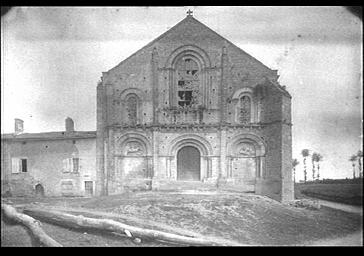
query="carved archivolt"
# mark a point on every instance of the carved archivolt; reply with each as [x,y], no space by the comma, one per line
[134,144]
[188,50]
[247,145]
[136,91]
[190,140]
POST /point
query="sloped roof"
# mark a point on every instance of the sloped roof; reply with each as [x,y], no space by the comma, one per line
[49,135]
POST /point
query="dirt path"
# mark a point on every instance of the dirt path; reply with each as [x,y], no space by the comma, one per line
[343,207]
[355,239]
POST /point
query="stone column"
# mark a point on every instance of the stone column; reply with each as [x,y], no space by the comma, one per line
[222,172]
[171,88]
[155,89]
[224,84]
[155,153]
[110,162]
[100,124]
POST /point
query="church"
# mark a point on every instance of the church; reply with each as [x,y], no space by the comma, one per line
[191,110]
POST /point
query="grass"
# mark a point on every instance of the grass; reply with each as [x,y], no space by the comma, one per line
[341,193]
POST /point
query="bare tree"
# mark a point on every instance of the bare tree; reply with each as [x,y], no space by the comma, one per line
[353,160]
[305,153]
[360,156]
[294,164]
[319,158]
[313,159]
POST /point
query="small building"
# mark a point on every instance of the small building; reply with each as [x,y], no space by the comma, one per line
[49,163]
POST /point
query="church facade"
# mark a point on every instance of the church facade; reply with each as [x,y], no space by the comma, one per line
[191,110]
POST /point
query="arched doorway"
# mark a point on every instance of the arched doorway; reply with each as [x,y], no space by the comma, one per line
[188,163]
[39,190]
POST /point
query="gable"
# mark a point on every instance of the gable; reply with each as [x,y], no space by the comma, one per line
[190,32]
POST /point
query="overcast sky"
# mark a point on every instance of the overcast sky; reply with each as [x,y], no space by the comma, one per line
[52,59]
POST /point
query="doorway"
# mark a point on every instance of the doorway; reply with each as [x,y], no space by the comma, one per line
[89,188]
[188,164]
[39,190]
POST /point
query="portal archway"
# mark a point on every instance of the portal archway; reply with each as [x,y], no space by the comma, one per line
[204,152]
[188,164]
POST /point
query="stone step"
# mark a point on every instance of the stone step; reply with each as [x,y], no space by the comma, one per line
[182,185]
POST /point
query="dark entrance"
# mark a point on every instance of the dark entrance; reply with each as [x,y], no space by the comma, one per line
[39,190]
[89,188]
[188,163]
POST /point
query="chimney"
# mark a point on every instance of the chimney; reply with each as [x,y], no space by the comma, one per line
[19,126]
[70,126]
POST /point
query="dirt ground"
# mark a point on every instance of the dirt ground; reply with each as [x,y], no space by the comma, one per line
[245,218]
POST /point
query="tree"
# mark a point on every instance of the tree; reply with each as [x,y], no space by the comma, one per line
[319,158]
[305,153]
[313,159]
[353,160]
[294,164]
[360,156]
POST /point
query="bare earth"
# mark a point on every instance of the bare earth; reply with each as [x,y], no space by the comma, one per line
[245,218]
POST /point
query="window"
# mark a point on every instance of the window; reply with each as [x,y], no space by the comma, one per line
[71,165]
[19,165]
[188,82]
[76,163]
[23,165]
[131,109]
[244,109]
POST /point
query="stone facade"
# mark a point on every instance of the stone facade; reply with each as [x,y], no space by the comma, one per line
[49,164]
[191,110]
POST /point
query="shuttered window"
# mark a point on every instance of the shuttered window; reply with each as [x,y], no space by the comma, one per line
[24,167]
[71,165]
[15,165]
[66,165]
[75,164]
[19,165]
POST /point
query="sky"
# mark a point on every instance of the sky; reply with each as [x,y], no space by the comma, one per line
[52,59]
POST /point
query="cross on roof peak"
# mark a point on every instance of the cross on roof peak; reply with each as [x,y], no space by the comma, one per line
[189,12]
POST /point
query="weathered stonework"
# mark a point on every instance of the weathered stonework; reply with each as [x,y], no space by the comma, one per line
[192,110]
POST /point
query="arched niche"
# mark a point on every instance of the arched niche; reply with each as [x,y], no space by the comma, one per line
[133,158]
[131,100]
[246,159]
[245,106]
